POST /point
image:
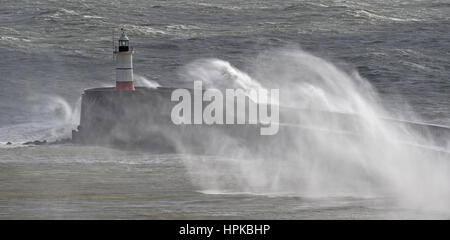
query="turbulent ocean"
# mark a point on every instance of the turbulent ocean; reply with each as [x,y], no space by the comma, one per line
[329,54]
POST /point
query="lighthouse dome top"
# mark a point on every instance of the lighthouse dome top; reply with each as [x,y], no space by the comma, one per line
[123,37]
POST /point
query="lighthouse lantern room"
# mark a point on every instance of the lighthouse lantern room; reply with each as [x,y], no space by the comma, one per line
[124,64]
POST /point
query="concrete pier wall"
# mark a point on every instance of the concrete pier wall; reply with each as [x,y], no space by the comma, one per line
[141,119]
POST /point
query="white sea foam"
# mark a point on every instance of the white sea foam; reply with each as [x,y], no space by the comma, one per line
[371,15]
[142,30]
[92,17]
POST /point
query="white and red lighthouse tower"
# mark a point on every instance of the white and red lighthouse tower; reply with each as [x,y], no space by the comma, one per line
[124,64]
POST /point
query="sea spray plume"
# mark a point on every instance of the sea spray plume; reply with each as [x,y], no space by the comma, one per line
[219,74]
[140,81]
[58,116]
[216,73]
[144,82]
[351,153]
[76,114]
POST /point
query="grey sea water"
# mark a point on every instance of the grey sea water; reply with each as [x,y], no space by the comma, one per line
[52,50]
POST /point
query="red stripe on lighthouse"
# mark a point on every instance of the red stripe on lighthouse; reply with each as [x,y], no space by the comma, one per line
[125,86]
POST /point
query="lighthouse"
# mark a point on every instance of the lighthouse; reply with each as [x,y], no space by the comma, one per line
[124,64]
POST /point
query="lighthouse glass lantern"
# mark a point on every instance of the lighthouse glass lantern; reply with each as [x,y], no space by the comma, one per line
[124,43]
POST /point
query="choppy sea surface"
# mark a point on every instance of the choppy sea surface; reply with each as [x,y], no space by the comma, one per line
[53,50]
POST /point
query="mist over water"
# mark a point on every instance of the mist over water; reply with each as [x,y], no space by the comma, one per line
[333,157]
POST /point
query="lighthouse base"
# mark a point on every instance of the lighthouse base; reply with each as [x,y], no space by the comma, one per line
[127,86]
